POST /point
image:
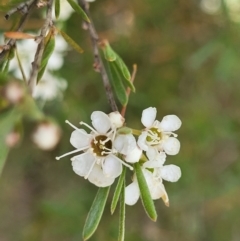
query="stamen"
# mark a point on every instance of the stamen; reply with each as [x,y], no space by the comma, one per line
[74,127]
[125,164]
[103,142]
[85,124]
[71,152]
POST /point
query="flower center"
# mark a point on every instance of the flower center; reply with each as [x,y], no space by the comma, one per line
[154,136]
[101,145]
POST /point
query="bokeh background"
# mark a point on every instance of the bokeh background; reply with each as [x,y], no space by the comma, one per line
[188,58]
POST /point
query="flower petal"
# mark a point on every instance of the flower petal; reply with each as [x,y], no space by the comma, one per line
[124,143]
[142,141]
[82,163]
[80,138]
[170,173]
[100,122]
[132,193]
[148,116]
[171,146]
[116,119]
[134,155]
[98,178]
[112,167]
[154,155]
[170,123]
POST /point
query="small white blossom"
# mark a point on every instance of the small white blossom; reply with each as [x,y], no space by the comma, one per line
[159,135]
[98,163]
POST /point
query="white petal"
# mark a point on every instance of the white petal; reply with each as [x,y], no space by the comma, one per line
[132,193]
[82,163]
[154,155]
[148,116]
[170,173]
[171,146]
[116,119]
[170,123]
[112,167]
[100,122]
[134,155]
[98,178]
[79,139]
[124,143]
[142,141]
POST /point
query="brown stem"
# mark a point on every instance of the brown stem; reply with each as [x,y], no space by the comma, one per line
[98,63]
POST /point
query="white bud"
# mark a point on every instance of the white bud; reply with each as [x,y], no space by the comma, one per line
[14,92]
[116,119]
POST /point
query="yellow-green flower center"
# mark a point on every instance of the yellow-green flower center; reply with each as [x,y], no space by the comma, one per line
[154,136]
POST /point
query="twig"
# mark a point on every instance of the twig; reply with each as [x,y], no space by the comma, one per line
[128,91]
[32,82]
[98,64]
[11,42]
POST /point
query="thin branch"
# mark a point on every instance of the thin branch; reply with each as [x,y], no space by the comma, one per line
[11,42]
[32,82]
[98,63]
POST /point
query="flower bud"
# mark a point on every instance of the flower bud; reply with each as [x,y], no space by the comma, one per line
[12,139]
[116,119]
[14,92]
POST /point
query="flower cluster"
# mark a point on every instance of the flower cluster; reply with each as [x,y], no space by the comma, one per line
[109,145]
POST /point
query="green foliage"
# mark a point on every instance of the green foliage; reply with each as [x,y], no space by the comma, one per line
[57,8]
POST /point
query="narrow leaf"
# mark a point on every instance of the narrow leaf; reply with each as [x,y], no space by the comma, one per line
[20,66]
[57,8]
[122,214]
[7,122]
[124,68]
[6,67]
[70,41]
[18,35]
[79,10]
[109,53]
[95,213]
[147,201]
[48,50]
[118,190]
[117,84]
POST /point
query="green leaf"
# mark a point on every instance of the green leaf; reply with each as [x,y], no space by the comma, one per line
[48,50]
[7,122]
[79,10]
[147,201]
[20,66]
[117,83]
[122,214]
[70,41]
[6,67]
[118,190]
[57,8]
[95,213]
[109,53]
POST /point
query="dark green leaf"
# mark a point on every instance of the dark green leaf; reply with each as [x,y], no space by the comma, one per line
[147,201]
[57,8]
[118,190]
[79,10]
[7,122]
[122,214]
[95,213]
[71,42]
[48,50]
[117,84]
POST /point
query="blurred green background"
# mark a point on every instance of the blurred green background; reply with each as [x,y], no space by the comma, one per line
[188,57]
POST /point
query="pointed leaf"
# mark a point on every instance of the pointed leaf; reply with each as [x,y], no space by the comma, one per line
[70,41]
[109,53]
[117,84]
[20,66]
[122,214]
[95,213]
[57,8]
[147,201]
[118,190]
[79,10]
[7,122]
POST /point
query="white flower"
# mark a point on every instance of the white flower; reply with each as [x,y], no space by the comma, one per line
[159,135]
[98,163]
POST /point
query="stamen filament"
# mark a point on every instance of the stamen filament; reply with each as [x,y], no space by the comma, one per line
[71,152]
[85,124]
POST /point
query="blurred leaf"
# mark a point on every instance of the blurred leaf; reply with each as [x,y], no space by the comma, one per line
[70,41]
[109,53]
[18,35]
[48,50]
[79,10]
[20,66]
[147,201]
[122,213]
[118,190]
[7,122]
[117,84]
[5,67]
[95,213]
[57,8]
